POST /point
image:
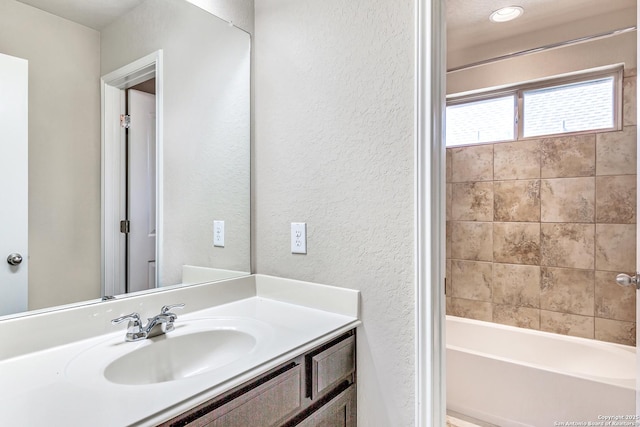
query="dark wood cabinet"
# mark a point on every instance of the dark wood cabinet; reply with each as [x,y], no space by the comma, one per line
[316,389]
[338,412]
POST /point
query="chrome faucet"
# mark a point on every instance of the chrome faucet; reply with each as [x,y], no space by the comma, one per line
[157,325]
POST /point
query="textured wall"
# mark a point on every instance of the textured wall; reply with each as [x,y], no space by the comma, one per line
[334,148]
[206,129]
[538,229]
[64,151]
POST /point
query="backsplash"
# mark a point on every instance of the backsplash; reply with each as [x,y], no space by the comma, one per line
[538,229]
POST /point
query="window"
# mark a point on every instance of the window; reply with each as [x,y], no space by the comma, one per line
[555,107]
[574,107]
[481,121]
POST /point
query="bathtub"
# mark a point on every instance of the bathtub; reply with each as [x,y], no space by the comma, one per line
[511,376]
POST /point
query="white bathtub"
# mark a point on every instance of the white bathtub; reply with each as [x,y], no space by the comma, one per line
[519,377]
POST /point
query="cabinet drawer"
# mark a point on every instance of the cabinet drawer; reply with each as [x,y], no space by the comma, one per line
[265,403]
[339,412]
[331,365]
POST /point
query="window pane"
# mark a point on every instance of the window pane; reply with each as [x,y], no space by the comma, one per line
[569,108]
[481,121]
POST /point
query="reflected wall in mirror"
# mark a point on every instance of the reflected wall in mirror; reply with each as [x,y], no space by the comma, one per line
[205,154]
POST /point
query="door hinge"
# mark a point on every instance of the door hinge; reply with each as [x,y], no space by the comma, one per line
[124,226]
[125,121]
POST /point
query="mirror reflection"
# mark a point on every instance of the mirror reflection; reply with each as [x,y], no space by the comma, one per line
[110,207]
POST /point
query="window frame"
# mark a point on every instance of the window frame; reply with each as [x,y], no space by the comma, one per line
[487,96]
[517,91]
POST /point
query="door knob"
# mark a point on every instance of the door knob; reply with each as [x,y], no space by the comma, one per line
[626,280]
[14,259]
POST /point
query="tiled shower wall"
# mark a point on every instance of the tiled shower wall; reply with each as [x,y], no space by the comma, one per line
[538,229]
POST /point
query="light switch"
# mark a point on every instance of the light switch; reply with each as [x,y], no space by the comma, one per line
[218,233]
[298,238]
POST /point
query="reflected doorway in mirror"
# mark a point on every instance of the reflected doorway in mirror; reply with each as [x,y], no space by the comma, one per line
[14,167]
[141,189]
[132,177]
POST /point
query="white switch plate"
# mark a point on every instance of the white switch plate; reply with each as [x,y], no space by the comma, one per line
[218,233]
[298,238]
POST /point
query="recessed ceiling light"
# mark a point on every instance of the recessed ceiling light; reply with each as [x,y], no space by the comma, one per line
[506,14]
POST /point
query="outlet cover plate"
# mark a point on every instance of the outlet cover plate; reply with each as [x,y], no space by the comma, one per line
[218,234]
[298,237]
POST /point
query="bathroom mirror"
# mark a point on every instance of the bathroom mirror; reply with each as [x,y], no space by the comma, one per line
[204,156]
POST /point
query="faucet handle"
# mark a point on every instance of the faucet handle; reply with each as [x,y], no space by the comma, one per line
[133,318]
[166,309]
[134,328]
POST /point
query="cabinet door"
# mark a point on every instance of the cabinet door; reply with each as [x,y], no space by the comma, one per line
[331,366]
[339,412]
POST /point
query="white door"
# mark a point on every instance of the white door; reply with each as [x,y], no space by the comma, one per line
[14,184]
[142,191]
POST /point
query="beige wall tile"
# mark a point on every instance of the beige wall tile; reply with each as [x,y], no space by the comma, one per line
[472,201]
[616,331]
[449,201]
[448,278]
[516,242]
[612,300]
[516,200]
[616,247]
[568,199]
[629,107]
[513,207]
[471,280]
[568,245]
[567,290]
[567,324]
[448,238]
[479,310]
[616,199]
[472,240]
[630,72]
[517,285]
[473,163]
[516,160]
[616,152]
[569,156]
[523,317]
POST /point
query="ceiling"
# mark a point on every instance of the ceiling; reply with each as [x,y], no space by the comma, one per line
[468,24]
[95,14]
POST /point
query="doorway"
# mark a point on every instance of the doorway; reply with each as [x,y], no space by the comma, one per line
[140,188]
[14,174]
[554,241]
[132,176]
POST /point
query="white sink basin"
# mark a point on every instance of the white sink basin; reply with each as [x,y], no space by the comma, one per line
[169,358]
[196,347]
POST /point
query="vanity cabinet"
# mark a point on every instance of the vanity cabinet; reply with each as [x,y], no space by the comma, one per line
[315,389]
[339,412]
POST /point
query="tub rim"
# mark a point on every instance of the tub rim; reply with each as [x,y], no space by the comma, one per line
[609,346]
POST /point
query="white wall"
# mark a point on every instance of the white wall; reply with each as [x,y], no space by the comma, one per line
[206,128]
[334,105]
[64,151]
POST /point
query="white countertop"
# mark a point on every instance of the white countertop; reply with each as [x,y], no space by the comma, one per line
[43,387]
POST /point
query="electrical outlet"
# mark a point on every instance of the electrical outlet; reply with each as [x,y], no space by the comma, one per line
[298,238]
[218,233]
